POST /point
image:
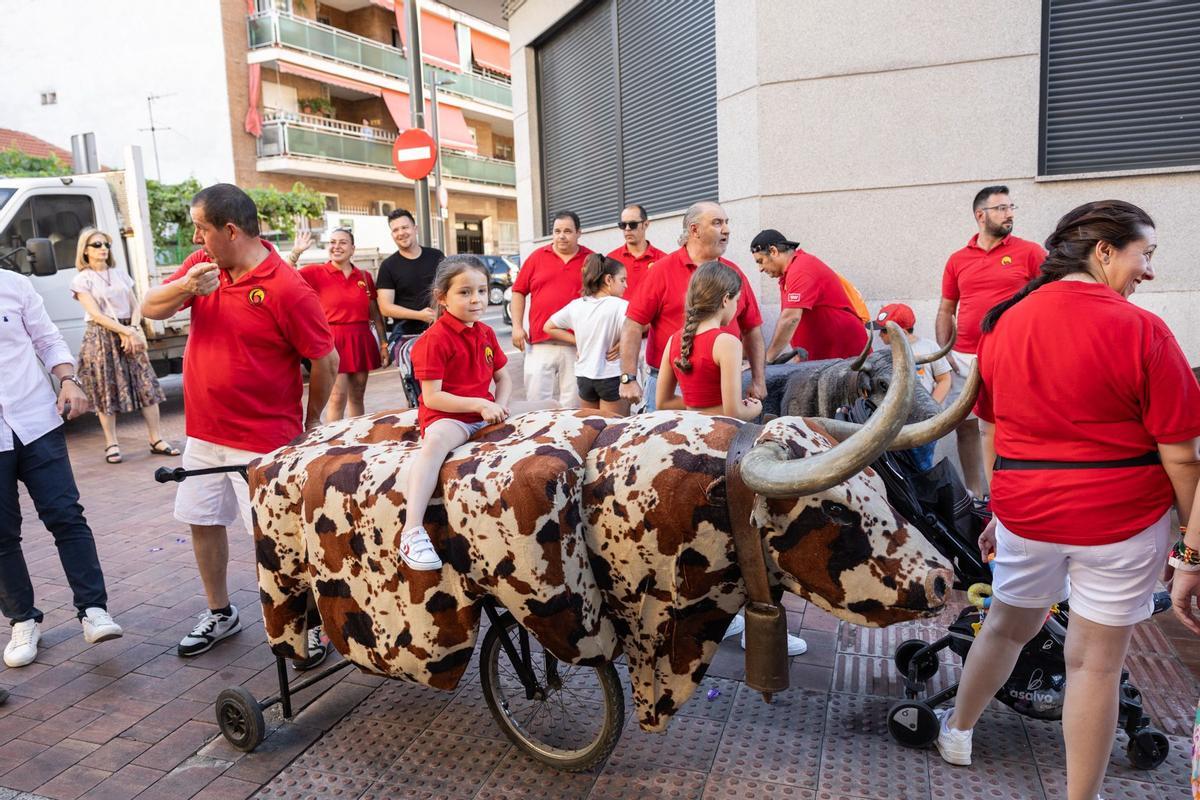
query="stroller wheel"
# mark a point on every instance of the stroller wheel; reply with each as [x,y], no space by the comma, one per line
[1148,748]
[927,666]
[912,723]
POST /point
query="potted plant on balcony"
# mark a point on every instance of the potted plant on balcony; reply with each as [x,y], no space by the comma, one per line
[316,105]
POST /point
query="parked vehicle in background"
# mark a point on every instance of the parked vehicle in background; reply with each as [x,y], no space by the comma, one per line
[508,306]
[503,271]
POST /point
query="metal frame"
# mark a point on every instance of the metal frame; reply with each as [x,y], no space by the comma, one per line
[1043,87]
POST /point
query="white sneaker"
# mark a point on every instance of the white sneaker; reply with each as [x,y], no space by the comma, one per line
[98,626]
[796,646]
[417,550]
[953,744]
[22,647]
[211,629]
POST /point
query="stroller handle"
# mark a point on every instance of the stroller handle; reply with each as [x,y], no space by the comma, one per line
[178,474]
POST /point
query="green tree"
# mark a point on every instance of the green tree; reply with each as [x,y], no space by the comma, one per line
[278,211]
[15,164]
[170,222]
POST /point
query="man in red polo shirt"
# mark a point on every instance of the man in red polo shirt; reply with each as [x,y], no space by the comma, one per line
[637,254]
[659,305]
[252,319]
[551,277]
[816,313]
[992,267]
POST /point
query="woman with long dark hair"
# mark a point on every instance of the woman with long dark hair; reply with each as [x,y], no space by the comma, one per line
[1097,419]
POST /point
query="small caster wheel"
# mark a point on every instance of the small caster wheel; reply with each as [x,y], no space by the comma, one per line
[927,666]
[912,723]
[1148,748]
[240,718]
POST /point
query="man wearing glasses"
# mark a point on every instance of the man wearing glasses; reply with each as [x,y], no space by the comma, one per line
[637,254]
[991,268]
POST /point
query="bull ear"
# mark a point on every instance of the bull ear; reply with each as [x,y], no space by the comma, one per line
[716,493]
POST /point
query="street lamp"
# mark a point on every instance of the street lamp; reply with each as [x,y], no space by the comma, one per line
[437,146]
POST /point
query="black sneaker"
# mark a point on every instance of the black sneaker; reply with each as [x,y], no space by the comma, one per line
[211,629]
[317,651]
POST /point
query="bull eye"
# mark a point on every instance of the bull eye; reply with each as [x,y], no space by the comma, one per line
[837,512]
[883,385]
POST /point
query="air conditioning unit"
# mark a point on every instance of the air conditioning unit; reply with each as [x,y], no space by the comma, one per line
[382,208]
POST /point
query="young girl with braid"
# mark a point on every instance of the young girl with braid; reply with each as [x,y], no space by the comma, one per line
[704,359]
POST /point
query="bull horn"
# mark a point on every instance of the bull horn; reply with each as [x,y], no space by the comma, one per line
[925,431]
[767,470]
[862,357]
[929,359]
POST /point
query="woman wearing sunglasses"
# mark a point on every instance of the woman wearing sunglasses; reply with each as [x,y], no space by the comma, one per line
[113,366]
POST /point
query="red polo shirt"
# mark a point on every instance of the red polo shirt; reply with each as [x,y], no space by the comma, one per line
[660,302]
[829,326]
[241,369]
[346,299]
[636,267]
[1075,372]
[980,279]
[549,283]
[465,358]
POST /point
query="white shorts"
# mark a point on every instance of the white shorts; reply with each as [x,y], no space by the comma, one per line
[958,377]
[550,374]
[214,499]
[1111,584]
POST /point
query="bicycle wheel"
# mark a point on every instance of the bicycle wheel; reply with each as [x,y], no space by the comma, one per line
[575,716]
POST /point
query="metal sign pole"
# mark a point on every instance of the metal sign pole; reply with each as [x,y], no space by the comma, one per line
[416,96]
[437,140]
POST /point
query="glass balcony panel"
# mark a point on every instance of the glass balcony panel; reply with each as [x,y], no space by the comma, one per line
[262,32]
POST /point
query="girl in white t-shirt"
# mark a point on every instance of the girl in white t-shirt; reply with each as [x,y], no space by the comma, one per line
[593,324]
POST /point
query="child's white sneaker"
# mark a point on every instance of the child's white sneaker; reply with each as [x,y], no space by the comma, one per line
[954,745]
[22,648]
[417,550]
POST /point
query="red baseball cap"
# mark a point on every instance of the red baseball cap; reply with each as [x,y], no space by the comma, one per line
[898,313]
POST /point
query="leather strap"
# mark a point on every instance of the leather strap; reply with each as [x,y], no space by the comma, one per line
[740,500]
[1147,459]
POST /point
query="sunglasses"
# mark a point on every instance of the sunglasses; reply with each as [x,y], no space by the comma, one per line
[628,226]
[100,244]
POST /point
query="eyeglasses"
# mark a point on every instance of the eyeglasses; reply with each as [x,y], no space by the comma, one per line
[105,245]
[1004,209]
[628,226]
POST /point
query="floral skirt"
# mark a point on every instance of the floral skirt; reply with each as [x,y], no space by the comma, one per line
[115,381]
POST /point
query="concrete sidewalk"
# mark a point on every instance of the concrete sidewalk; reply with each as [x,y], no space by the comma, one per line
[128,718]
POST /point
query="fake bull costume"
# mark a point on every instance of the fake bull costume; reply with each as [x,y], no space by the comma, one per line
[600,535]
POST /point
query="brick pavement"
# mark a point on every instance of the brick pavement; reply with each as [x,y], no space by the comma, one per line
[128,718]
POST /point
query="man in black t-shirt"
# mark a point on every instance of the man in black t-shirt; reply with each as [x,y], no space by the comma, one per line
[405,278]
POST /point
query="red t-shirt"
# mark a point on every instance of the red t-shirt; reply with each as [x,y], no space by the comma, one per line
[660,300]
[549,283]
[701,388]
[346,299]
[829,326]
[1075,372]
[981,279]
[241,369]
[636,267]
[464,358]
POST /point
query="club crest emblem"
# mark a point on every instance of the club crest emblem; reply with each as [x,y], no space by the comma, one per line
[362,285]
[257,296]
[1004,262]
[488,354]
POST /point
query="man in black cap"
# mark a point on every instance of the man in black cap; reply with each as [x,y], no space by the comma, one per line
[815,310]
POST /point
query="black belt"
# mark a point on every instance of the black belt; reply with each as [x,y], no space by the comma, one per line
[1144,460]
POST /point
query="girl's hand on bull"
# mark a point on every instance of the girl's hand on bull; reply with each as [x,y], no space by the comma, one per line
[492,412]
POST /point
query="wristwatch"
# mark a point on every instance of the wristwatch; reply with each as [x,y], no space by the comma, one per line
[70,378]
[627,378]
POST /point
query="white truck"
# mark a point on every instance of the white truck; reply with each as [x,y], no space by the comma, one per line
[42,218]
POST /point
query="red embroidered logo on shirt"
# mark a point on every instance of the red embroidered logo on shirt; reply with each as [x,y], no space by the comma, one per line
[256,297]
[362,285]
[793,298]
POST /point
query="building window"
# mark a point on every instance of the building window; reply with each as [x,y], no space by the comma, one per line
[503,149]
[600,148]
[49,98]
[331,202]
[1119,86]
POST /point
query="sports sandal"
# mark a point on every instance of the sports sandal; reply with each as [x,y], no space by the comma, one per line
[115,456]
[161,448]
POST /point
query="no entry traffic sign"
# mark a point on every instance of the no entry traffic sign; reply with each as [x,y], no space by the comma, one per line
[414,154]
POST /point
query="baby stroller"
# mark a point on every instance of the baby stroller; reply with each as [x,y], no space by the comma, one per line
[938,505]
[402,358]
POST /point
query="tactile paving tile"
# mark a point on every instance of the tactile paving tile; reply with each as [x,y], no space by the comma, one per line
[360,747]
[858,674]
[468,711]
[306,784]
[985,779]
[519,776]
[882,642]
[1176,770]
[1001,737]
[728,787]
[1046,740]
[622,782]
[1175,793]
[1155,672]
[445,763]
[1054,783]
[699,705]
[856,735]
[1149,638]
[404,703]
[688,743]
[1170,712]
[777,743]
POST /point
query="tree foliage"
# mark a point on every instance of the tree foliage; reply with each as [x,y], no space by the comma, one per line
[170,222]
[278,211]
[15,164]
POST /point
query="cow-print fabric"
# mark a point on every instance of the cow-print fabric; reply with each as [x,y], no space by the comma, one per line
[600,535]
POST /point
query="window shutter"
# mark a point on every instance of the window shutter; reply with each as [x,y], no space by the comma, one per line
[1121,85]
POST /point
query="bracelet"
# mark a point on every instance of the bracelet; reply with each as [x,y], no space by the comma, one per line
[1182,566]
[1184,554]
[70,378]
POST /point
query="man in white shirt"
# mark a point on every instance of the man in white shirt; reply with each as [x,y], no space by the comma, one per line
[33,450]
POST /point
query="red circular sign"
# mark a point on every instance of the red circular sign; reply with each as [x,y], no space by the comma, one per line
[414,154]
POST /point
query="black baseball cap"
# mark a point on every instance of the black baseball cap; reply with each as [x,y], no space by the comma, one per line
[771,238]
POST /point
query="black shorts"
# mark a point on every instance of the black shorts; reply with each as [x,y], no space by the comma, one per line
[593,390]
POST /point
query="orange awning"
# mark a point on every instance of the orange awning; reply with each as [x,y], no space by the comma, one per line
[439,42]
[452,125]
[325,77]
[490,52]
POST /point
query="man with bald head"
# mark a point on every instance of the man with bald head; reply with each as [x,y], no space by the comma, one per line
[658,305]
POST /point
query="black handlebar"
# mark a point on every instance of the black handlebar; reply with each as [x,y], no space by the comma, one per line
[783,357]
[167,475]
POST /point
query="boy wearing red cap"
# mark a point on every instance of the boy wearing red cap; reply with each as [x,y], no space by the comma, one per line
[935,377]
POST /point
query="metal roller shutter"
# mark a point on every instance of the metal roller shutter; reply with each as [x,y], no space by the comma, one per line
[1120,85]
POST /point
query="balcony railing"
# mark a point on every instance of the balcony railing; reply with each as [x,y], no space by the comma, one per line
[278,29]
[306,136]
